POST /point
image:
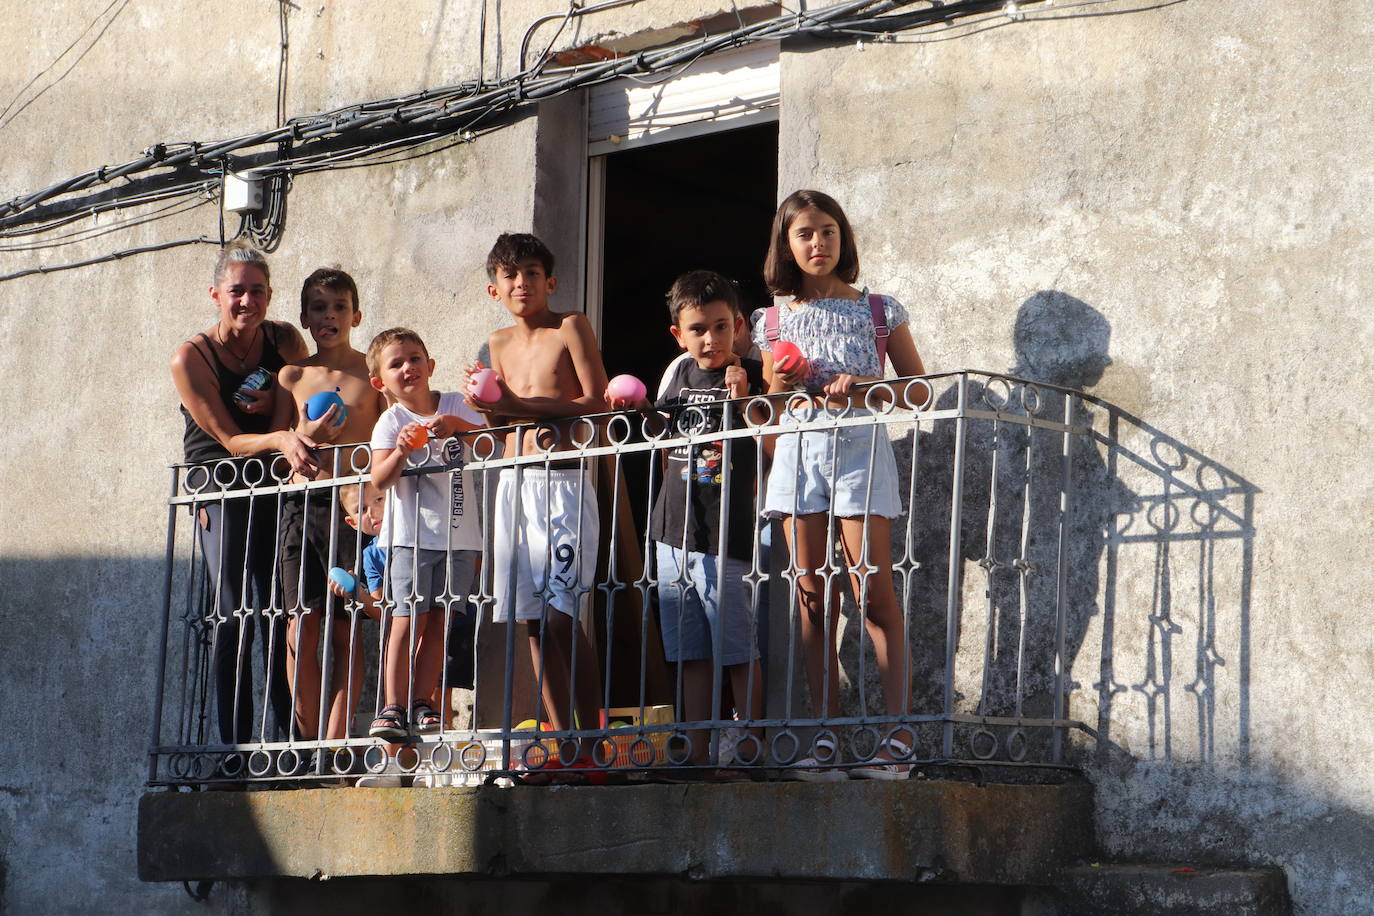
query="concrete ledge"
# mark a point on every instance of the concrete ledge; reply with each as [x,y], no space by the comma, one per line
[1175,890]
[914,830]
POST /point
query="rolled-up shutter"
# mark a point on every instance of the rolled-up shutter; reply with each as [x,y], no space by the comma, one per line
[720,91]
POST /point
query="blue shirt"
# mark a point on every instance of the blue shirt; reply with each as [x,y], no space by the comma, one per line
[374,565]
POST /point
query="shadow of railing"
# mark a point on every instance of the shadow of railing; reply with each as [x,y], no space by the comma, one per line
[1190,535]
[1153,576]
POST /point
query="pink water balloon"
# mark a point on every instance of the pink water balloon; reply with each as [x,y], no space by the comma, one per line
[626,388]
[788,358]
[483,386]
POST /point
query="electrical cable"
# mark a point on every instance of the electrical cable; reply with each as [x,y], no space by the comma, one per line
[497,9]
[511,92]
[112,256]
[1000,19]
[482,44]
[95,210]
[671,75]
[462,111]
[282,61]
[89,26]
[85,235]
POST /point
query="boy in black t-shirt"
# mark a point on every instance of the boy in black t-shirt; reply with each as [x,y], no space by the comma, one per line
[704,596]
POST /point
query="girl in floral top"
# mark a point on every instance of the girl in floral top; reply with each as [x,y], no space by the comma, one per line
[852,474]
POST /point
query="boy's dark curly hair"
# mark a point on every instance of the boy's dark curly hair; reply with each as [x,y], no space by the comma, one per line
[513,247]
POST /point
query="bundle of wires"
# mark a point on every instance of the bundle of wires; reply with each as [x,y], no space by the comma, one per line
[390,130]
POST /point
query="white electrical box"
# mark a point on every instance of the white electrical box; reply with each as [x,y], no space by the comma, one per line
[242,194]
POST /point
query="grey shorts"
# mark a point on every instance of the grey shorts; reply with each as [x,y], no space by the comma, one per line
[832,470]
[692,608]
[422,580]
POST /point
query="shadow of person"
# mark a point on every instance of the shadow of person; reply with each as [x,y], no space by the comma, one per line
[994,588]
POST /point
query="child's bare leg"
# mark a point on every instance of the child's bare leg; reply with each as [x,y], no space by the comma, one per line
[549,659]
[748,688]
[303,669]
[884,617]
[345,686]
[397,676]
[429,654]
[441,703]
[559,687]
[806,542]
[587,698]
[696,704]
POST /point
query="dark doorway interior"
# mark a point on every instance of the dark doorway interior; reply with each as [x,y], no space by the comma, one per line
[702,202]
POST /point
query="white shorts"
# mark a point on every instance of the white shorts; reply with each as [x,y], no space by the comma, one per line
[556,530]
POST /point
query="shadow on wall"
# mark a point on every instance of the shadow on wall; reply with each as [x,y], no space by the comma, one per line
[81,642]
[1158,561]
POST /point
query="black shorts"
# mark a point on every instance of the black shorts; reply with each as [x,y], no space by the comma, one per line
[304,546]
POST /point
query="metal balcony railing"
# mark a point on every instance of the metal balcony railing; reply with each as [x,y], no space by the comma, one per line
[980,560]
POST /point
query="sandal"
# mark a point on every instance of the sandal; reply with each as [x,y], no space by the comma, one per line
[425,719]
[894,750]
[813,769]
[390,723]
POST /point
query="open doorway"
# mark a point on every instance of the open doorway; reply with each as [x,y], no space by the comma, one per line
[706,201]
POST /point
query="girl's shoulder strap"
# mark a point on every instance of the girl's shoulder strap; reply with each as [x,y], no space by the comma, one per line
[770,323]
[880,328]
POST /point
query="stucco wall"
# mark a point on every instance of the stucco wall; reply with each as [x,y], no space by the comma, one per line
[91,421]
[1199,177]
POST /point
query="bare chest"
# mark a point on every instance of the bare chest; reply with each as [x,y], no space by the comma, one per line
[540,367]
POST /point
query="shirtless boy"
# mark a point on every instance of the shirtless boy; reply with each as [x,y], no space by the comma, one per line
[310,521]
[551,371]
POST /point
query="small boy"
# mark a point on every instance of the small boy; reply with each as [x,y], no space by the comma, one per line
[550,371]
[459,664]
[686,520]
[433,535]
[313,534]
[365,513]
[366,518]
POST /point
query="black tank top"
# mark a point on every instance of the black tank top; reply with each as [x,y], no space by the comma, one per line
[196,443]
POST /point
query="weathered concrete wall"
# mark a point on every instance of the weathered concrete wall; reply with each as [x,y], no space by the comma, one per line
[86,350]
[91,421]
[1197,176]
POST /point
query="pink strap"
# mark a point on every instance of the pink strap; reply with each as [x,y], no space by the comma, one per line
[880,331]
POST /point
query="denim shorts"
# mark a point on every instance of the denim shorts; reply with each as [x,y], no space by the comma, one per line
[423,582]
[692,609]
[824,470]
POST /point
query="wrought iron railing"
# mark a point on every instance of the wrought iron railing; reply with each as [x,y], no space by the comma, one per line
[981,559]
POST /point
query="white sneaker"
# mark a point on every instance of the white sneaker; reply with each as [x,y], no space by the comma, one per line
[426,778]
[391,777]
[729,740]
[889,767]
[811,769]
